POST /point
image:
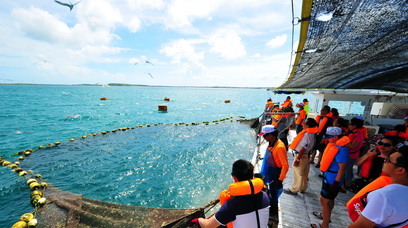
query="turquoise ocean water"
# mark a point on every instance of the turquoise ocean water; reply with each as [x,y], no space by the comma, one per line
[170,166]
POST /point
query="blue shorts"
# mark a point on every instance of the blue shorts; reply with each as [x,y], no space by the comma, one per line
[326,192]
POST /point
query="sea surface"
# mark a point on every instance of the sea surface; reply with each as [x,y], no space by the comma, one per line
[165,163]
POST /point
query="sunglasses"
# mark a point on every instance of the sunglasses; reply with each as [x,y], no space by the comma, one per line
[384,144]
[387,160]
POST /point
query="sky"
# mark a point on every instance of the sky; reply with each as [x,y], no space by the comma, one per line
[245,43]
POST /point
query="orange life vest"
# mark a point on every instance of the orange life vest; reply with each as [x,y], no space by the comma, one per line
[366,167]
[287,103]
[331,151]
[275,122]
[240,189]
[365,132]
[299,137]
[301,117]
[355,209]
[400,134]
[323,122]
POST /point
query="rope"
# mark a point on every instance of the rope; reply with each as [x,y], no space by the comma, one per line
[293,35]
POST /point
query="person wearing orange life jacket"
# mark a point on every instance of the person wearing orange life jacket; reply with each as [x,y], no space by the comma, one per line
[269,105]
[302,146]
[356,142]
[323,120]
[335,113]
[343,124]
[333,166]
[287,102]
[398,131]
[387,206]
[274,167]
[406,123]
[301,118]
[268,109]
[374,160]
[244,204]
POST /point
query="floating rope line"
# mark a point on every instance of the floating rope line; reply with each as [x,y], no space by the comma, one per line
[36,183]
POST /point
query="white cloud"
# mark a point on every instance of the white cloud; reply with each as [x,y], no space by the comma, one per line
[41,25]
[278,41]
[183,12]
[98,15]
[134,24]
[98,53]
[182,50]
[229,46]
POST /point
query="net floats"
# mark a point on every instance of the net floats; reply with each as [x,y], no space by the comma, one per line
[25,220]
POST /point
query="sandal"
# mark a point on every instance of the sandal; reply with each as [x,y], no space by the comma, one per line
[316,226]
[318,215]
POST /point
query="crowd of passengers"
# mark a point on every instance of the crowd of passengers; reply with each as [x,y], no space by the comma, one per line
[334,145]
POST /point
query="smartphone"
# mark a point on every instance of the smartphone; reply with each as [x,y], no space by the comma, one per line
[372,146]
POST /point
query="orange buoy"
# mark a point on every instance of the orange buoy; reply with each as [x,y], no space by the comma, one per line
[103,98]
[166,99]
[163,108]
[227,101]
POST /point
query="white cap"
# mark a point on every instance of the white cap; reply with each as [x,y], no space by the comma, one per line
[267,129]
[333,131]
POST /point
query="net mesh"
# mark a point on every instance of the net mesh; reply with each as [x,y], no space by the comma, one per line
[66,209]
[356,44]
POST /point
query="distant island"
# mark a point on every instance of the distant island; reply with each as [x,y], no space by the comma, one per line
[136,85]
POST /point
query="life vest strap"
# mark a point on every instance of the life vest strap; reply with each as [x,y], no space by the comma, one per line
[254,200]
[331,171]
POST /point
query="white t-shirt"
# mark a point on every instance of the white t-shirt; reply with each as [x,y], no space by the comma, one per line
[387,205]
[307,142]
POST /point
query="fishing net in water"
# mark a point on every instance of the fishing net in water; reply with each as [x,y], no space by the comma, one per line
[66,209]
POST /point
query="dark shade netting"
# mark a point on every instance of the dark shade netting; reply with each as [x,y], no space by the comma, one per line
[65,209]
[356,44]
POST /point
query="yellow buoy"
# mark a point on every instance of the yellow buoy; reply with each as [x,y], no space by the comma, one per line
[36,192]
[26,217]
[42,201]
[31,181]
[44,185]
[32,223]
[34,186]
[22,173]
[19,224]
